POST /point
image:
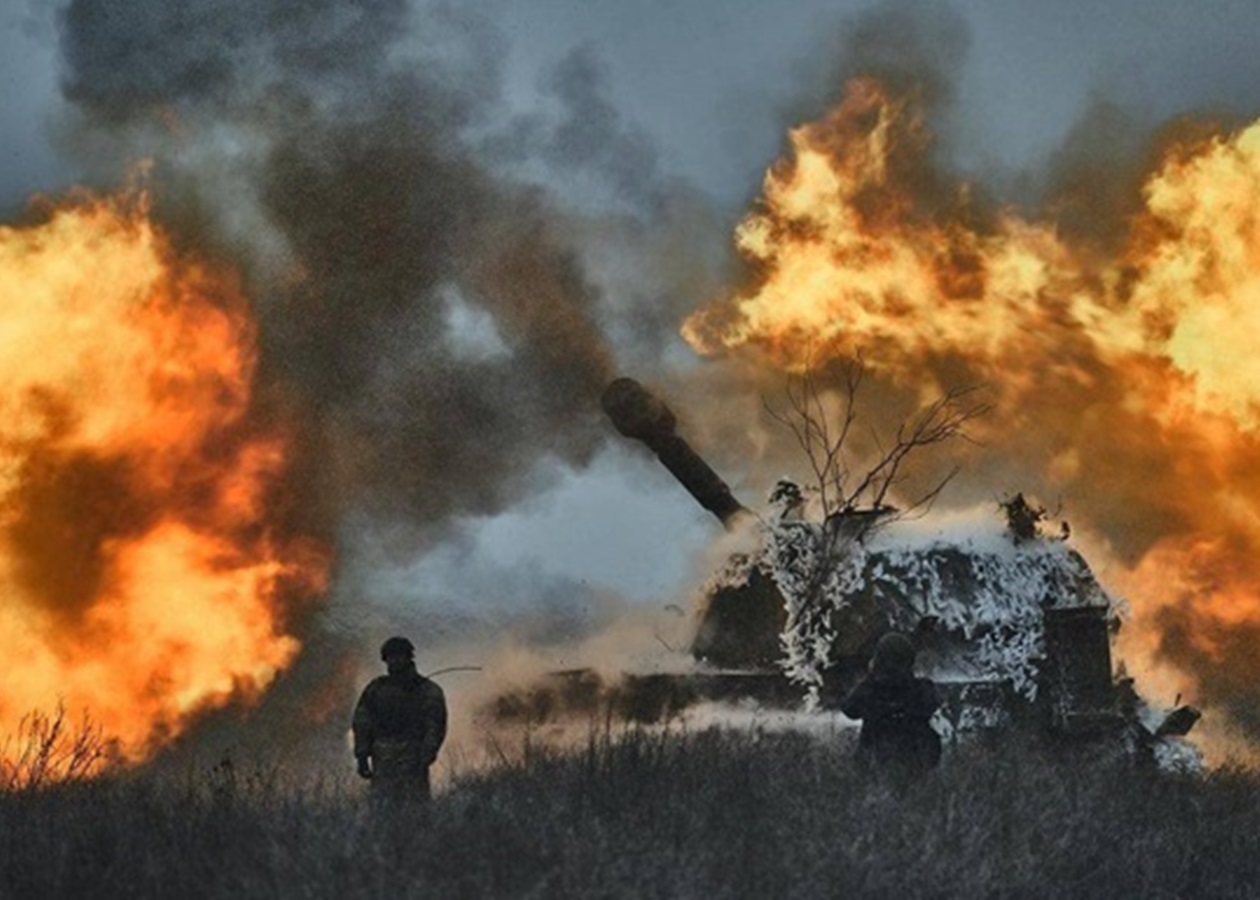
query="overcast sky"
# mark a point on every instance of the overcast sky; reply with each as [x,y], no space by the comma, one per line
[710,84]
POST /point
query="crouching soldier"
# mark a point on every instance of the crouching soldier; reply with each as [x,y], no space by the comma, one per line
[895,709]
[399,725]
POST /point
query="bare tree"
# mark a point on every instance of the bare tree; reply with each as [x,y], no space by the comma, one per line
[824,432]
[854,496]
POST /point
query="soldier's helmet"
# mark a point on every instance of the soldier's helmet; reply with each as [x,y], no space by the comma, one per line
[893,653]
[398,646]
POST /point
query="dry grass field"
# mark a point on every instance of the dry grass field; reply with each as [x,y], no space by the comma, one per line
[704,814]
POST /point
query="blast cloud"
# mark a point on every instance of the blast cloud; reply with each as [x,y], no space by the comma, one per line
[381,216]
[1095,361]
[349,158]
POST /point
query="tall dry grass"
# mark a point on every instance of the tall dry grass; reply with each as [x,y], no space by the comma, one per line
[715,813]
[48,748]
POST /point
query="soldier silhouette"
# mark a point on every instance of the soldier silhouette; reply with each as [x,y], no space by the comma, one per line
[895,708]
[399,724]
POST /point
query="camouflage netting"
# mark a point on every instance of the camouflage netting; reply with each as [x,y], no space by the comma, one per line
[980,601]
[982,596]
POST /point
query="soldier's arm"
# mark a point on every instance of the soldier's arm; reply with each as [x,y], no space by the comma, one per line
[435,722]
[855,702]
[363,726]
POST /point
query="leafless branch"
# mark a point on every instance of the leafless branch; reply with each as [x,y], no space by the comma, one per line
[943,420]
[824,433]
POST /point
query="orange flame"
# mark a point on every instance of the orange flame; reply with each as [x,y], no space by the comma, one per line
[140,579]
[1127,383]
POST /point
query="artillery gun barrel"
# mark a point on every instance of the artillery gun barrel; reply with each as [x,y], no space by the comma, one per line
[638,414]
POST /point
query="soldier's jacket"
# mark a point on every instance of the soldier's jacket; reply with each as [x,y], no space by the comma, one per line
[895,710]
[400,723]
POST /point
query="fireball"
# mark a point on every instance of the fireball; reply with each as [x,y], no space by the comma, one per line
[1127,379]
[141,580]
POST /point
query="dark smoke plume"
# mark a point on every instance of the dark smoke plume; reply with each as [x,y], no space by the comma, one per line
[585,133]
[388,233]
[429,327]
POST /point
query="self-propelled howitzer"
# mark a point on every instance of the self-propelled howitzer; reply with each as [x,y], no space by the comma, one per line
[1012,632]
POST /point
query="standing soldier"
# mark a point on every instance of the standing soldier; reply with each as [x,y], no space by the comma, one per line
[895,708]
[399,725]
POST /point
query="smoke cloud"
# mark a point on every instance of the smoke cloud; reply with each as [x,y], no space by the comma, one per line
[429,325]
[384,232]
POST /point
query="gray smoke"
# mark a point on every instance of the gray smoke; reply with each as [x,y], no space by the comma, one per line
[323,146]
[916,49]
[430,326]
[583,132]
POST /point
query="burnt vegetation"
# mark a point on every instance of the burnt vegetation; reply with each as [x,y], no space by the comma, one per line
[714,813]
[50,748]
